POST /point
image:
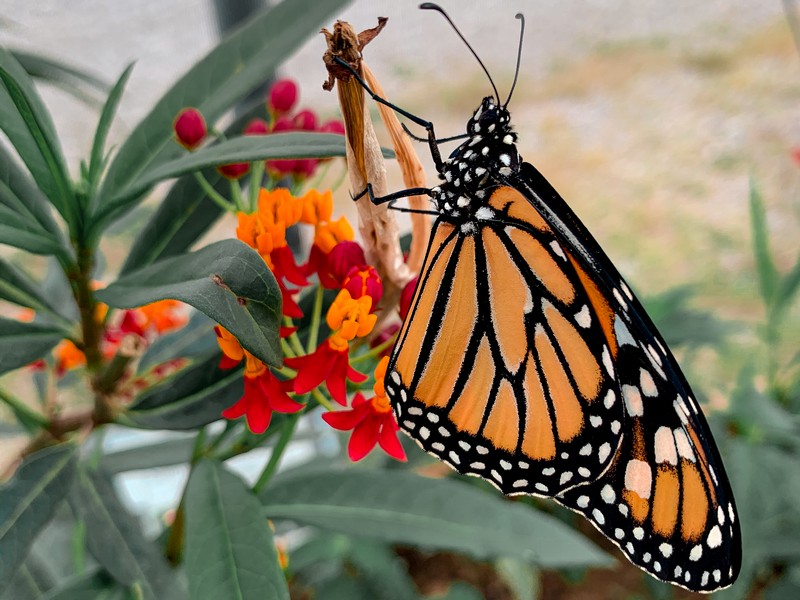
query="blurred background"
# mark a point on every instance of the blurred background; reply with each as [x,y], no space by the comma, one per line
[651,118]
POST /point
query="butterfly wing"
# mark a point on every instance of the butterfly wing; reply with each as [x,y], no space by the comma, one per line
[503,367]
[665,500]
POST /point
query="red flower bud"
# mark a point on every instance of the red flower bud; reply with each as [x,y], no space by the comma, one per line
[406,297]
[334,126]
[305,120]
[287,165]
[364,281]
[233,171]
[282,96]
[342,258]
[190,128]
[257,127]
[283,124]
[305,167]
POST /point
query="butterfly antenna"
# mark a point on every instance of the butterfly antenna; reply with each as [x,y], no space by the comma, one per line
[439,9]
[521,18]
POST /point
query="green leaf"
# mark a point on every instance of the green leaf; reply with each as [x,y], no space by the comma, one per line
[382,570]
[26,122]
[19,193]
[767,272]
[160,454]
[193,397]
[103,125]
[521,578]
[70,78]
[241,149]
[228,281]
[29,500]
[401,507]
[18,231]
[23,343]
[225,76]
[230,552]
[96,585]
[17,286]
[194,339]
[115,539]
[31,580]
[682,324]
[788,287]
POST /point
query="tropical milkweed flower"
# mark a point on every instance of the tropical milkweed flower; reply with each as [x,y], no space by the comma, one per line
[371,421]
[364,281]
[263,392]
[348,318]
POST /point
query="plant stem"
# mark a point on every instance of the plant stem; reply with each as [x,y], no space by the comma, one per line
[277,452]
[376,351]
[256,175]
[236,194]
[215,196]
[316,314]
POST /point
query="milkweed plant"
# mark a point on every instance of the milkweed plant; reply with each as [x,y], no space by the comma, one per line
[258,359]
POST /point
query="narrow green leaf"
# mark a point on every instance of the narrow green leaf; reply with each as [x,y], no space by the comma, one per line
[230,552]
[19,231]
[401,507]
[23,343]
[31,580]
[96,585]
[193,397]
[115,539]
[103,126]
[788,287]
[29,500]
[225,76]
[382,570]
[19,193]
[765,266]
[26,122]
[228,281]
[160,454]
[68,77]
[18,287]
[195,339]
[241,149]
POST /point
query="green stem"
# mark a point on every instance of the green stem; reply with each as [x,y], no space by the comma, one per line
[376,351]
[277,452]
[294,339]
[236,194]
[316,314]
[256,175]
[197,451]
[215,196]
[230,426]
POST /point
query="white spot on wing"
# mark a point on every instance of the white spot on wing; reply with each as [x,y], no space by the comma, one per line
[682,442]
[484,213]
[607,362]
[610,398]
[603,451]
[633,400]
[583,317]
[608,494]
[557,249]
[665,446]
[647,384]
[639,477]
[624,337]
[714,539]
[665,549]
[696,552]
[598,516]
[583,501]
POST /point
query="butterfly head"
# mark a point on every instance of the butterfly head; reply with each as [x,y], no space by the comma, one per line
[482,162]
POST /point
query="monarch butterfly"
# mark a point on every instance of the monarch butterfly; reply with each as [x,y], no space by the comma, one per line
[526,360]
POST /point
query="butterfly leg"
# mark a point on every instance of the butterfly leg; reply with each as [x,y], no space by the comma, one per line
[435,154]
[416,138]
[394,197]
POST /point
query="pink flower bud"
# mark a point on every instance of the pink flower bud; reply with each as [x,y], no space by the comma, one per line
[233,171]
[406,297]
[190,128]
[305,120]
[282,96]
[334,126]
[283,124]
[257,127]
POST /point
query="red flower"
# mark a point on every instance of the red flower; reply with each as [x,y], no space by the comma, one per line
[262,395]
[364,281]
[190,128]
[327,363]
[257,127]
[234,171]
[285,266]
[291,308]
[406,297]
[371,421]
[334,126]
[345,256]
[305,120]
[282,96]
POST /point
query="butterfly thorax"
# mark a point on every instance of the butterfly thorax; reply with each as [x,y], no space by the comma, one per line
[482,162]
